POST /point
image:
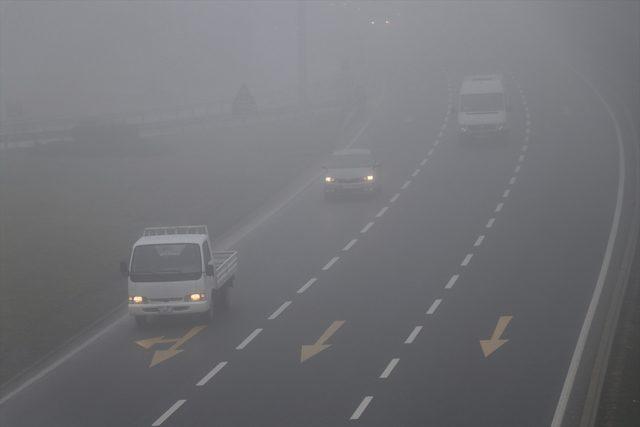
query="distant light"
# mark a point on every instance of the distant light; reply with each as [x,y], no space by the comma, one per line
[386,21]
[372,22]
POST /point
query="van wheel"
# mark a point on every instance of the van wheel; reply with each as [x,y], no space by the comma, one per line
[141,321]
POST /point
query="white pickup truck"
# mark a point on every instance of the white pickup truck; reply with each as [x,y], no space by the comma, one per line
[172,271]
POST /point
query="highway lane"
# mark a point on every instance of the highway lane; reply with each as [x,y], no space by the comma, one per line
[382,286]
[122,369]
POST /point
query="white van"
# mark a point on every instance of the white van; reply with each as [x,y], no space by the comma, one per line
[482,107]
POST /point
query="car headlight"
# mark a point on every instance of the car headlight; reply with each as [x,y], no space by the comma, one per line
[197,297]
[369,178]
[329,179]
[137,299]
[463,129]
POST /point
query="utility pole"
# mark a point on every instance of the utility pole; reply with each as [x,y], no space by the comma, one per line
[302,54]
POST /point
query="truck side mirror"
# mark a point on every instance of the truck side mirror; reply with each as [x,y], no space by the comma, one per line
[124,269]
[209,270]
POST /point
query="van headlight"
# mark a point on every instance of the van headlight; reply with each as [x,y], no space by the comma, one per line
[197,297]
[329,179]
[137,299]
[369,178]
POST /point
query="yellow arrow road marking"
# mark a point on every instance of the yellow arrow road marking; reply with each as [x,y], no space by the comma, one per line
[495,342]
[160,356]
[308,351]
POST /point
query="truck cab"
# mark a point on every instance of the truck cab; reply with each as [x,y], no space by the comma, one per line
[172,271]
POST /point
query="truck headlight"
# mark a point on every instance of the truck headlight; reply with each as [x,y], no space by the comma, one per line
[369,178]
[195,297]
[137,299]
[329,179]
[463,129]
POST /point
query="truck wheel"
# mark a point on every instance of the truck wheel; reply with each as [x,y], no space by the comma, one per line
[225,297]
[141,321]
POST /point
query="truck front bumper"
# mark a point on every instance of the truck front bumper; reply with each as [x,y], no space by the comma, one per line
[168,309]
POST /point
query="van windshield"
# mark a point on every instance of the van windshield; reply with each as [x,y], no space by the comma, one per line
[481,102]
[166,263]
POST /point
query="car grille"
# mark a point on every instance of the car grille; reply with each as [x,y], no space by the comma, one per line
[349,180]
[152,300]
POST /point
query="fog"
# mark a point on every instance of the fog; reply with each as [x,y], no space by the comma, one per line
[240,118]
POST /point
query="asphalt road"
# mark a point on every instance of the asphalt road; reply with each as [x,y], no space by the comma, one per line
[459,238]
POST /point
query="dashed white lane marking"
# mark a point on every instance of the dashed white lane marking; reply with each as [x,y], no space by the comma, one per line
[521,158]
[361,407]
[466,260]
[394,198]
[412,336]
[405,185]
[437,141]
[415,172]
[528,123]
[387,371]
[350,245]
[169,412]
[382,211]
[479,240]
[506,193]
[248,339]
[430,152]
[366,227]
[517,169]
[211,374]
[527,130]
[279,310]
[452,281]
[512,180]
[443,127]
[307,285]
[525,147]
[330,263]
[423,162]
[440,134]
[499,207]
[434,306]
[490,222]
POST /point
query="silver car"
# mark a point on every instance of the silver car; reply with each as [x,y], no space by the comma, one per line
[351,170]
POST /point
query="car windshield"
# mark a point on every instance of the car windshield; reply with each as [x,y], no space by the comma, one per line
[166,263]
[481,102]
[351,161]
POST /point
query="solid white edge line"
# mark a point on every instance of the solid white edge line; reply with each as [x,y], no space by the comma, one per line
[394,198]
[248,339]
[412,336]
[490,222]
[280,309]
[382,211]
[466,260]
[168,412]
[576,358]
[452,281]
[211,374]
[306,285]
[361,407]
[350,245]
[367,227]
[479,240]
[330,263]
[434,306]
[387,371]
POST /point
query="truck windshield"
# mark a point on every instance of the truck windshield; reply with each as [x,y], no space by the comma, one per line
[481,102]
[166,263]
